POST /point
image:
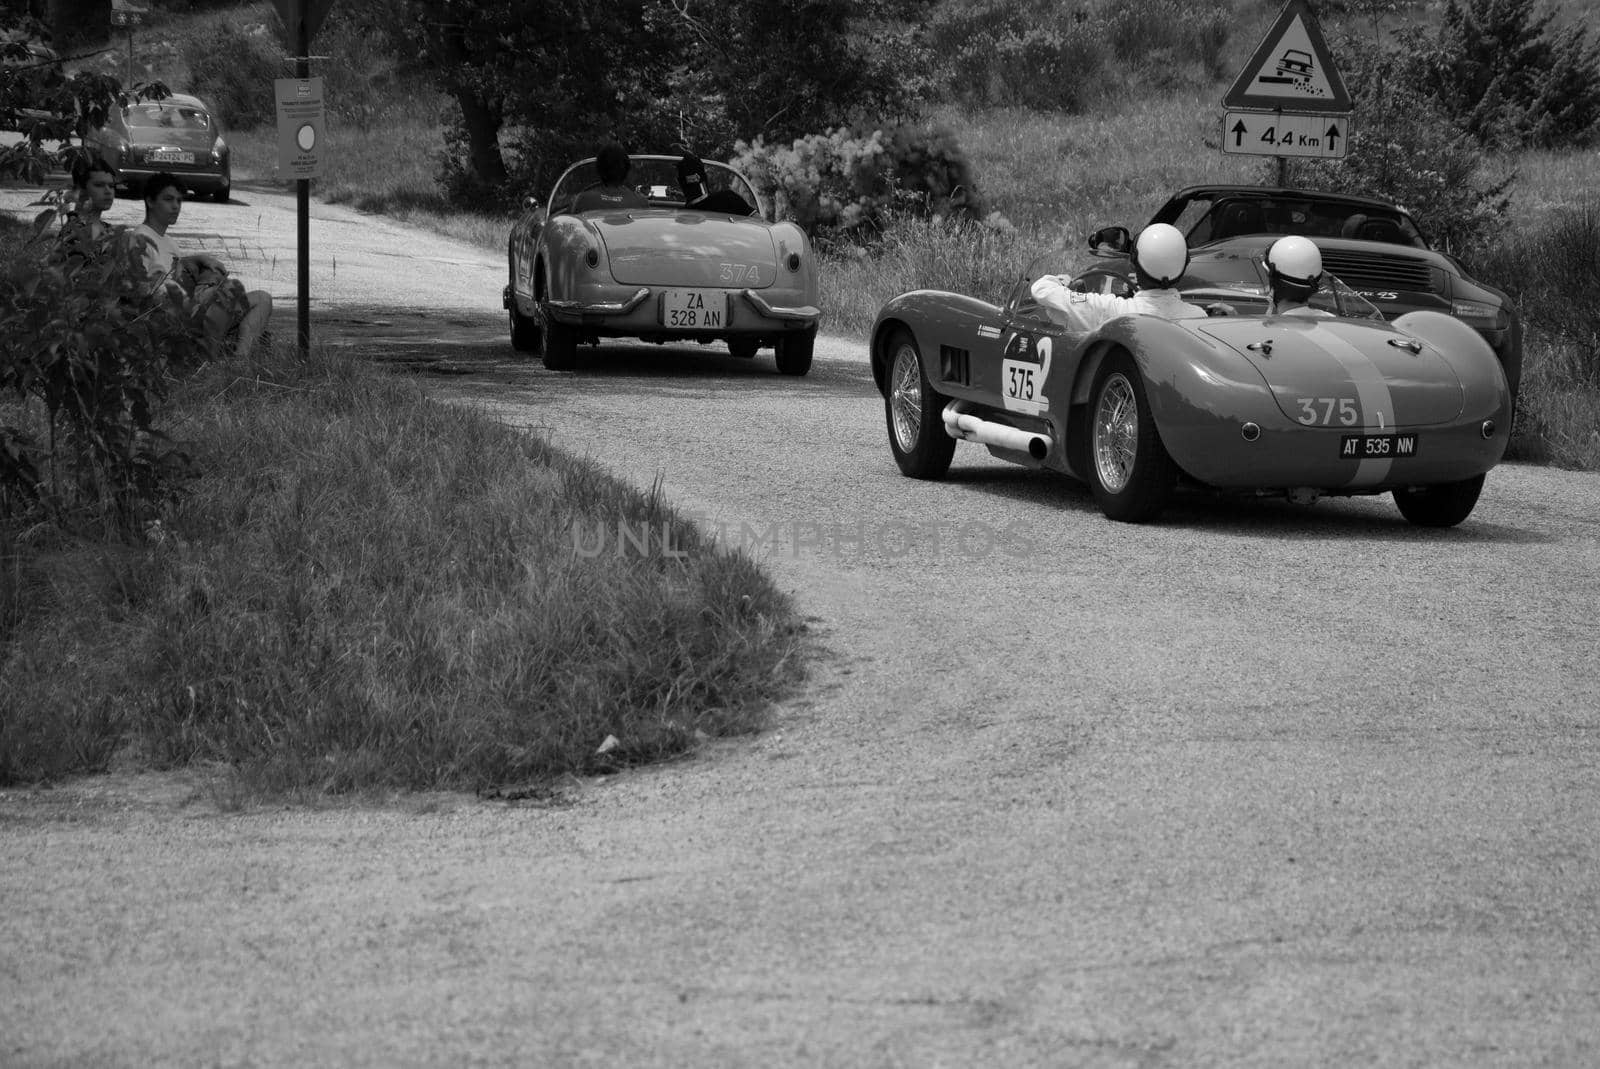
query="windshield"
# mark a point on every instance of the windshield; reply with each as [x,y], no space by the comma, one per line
[653,177]
[168,116]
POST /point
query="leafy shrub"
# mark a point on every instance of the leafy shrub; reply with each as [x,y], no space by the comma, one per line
[86,361]
[1152,39]
[232,68]
[1509,76]
[1552,271]
[850,181]
[1045,54]
[1406,149]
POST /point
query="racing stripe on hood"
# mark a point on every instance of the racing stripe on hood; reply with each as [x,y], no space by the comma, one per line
[1372,392]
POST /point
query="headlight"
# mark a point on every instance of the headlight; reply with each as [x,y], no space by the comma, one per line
[1474,310]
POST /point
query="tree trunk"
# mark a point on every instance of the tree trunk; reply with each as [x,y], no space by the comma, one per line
[482,122]
[79,22]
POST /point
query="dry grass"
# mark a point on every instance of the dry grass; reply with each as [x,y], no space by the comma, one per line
[366,590]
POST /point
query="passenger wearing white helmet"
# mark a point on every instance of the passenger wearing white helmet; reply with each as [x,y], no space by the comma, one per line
[1294,270]
[1160,257]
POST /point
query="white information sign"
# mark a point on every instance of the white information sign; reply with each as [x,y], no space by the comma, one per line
[1284,133]
[300,127]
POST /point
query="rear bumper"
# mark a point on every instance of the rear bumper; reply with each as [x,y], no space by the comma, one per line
[194,179]
[636,312]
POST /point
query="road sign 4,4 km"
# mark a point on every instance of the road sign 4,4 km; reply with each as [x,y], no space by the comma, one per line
[1283,133]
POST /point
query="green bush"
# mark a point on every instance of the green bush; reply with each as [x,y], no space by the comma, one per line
[232,68]
[1157,40]
[848,182]
[1552,272]
[1044,54]
[86,361]
[1509,75]
[1405,148]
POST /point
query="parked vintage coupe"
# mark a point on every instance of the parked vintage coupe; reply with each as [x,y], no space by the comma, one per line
[1246,402]
[177,134]
[662,273]
[1374,245]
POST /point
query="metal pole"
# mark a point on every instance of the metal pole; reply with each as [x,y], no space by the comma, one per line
[302,70]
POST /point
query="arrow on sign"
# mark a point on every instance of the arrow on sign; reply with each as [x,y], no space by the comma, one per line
[1238,133]
[1333,138]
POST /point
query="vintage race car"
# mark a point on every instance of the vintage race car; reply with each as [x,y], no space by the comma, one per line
[662,273]
[1374,245]
[1343,403]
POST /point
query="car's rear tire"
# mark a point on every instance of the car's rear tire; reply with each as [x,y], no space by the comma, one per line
[221,196]
[1129,470]
[744,348]
[1440,506]
[560,345]
[793,351]
[912,411]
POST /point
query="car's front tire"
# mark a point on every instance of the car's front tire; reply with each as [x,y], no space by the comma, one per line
[1440,506]
[560,345]
[1130,472]
[793,351]
[913,412]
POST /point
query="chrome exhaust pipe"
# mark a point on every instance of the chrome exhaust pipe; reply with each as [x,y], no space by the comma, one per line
[959,424]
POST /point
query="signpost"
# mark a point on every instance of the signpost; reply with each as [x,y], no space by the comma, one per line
[128,14]
[1289,100]
[303,130]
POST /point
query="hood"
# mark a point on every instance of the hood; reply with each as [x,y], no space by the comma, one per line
[652,247]
[1345,360]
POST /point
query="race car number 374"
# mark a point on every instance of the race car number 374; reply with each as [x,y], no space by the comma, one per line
[694,308]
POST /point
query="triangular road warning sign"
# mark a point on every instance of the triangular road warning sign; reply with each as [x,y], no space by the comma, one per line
[1291,68]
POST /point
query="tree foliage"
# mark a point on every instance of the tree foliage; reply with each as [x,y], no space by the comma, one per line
[1407,148]
[1510,74]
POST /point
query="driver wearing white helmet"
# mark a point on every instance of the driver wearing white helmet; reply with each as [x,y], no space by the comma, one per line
[1160,256]
[1294,270]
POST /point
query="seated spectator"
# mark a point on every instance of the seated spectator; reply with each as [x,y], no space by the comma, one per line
[613,192]
[692,180]
[85,235]
[199,276]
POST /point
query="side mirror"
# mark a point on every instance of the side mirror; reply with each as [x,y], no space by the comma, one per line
[1110,239]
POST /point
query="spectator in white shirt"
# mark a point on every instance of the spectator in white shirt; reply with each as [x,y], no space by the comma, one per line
[199,275]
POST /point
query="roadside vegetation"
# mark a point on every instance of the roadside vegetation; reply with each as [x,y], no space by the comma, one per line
[376,593]
[350,587]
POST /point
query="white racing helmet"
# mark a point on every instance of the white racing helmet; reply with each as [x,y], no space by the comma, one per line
[1161,253]
[1296,261]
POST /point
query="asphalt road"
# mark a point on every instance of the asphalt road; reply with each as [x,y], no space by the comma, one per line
[1262,785]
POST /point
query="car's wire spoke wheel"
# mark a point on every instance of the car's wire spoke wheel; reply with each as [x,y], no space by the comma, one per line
[905,397]
[1116,434]
[1129,469]
[917,436]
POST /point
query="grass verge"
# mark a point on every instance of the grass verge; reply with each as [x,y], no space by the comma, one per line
[365,590]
